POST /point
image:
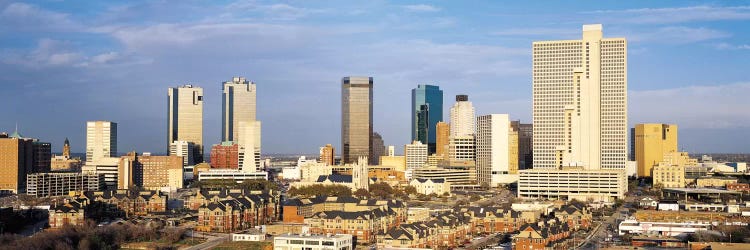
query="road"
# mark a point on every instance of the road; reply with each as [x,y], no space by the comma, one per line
[211,242]
[600,232]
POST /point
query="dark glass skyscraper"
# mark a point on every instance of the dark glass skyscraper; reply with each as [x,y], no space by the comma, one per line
[426,112]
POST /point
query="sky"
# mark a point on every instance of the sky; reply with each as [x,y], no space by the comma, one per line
[63,63]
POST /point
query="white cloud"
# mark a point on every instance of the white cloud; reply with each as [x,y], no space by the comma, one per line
[26,17]
[728,46]
[538,32]
[421,8]
[709,107]
[677,15]
[677,35]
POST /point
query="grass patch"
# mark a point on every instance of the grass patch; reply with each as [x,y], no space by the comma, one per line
[245,245]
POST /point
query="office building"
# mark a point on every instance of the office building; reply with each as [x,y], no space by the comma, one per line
[580,102]
[107,166]
[161,173]
[652,142]
[463,117]
[462,148]
[356,118]
[525,135]
[378,148]
[184,149]
[313,242]
[415,155]
[185,118]
[101,141]
[225,155]
[42,153]
[59,184]
[327,154]
[672,171]
[496,150]
[249,147]
[443,133]
[580,118]
[238,105]
[454,172]
[16,160]
[391,150]
[427,111]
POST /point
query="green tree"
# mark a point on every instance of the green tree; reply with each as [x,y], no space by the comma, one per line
[362,193]
[410,190]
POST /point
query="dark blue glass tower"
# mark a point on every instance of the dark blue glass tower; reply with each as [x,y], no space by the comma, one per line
[426,112]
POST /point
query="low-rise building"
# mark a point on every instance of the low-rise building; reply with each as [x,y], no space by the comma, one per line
[417,214]
[544,235]
[648,203]
[668,205]
[126,203]
[363,225]
[68,213]
[236,213]
[742,187]
[715,181]
[572,183]
[251,235]
[495,219]
[313,242]
[446,230]
[431,186]
[58,184]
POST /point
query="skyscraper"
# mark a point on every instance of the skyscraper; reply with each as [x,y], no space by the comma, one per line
[443,139]
[525,135]
[238,105]
[463,118]
[652,142]
[327,155]
[378,148]
[249,146]
[16,159]
[356,118]
[101,141]
[185,118]
[580,102]
[415,154]
[426,112]
[497,150]
[184,149]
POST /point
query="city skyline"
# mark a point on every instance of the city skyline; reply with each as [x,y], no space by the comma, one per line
[493,68]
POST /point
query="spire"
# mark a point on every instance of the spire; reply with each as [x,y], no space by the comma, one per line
[16,134]
[67,143]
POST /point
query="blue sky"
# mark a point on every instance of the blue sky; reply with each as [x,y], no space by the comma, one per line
[65,62]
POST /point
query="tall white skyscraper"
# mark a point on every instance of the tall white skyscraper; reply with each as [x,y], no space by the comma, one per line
[497,150]
[580,102]
[186,150]
[185,118]
[101,140]
[238,105]
[462,117]
[415,154]
[249,146]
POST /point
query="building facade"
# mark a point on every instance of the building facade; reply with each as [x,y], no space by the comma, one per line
[652,142]
[60,184]
[573,183]
[442,139]
[328,155]
[525,135]
[150,172]
[313,242]
[496,150]
[426,112]
[16,159]
[101,141]
[463,118]
[185,150]
[378,148]
[238,105]
[225,155]
[356,118]
[415,155]
[185,118]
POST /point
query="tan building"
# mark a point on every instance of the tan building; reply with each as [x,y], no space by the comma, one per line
[238,105]
[356,118]
[670,172]
[185,118]
[328,155]
[497,150]
[397,163]
[443,138]
[69,213]
[150,172]
[652,142]
[715,181]
[430,186]
[572,183]
[101,141]
[15,162]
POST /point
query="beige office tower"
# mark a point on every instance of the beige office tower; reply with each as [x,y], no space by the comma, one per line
[497,150]
[443,132]
[327,155]
[652,142]
[356,118]
[415,154]
[101,141]
[580,102]
[185,118]
[463,118]
[238,105]
[249,147]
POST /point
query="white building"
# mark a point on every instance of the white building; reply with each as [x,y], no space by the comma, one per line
[661,228]
[249,146]
[231,174]
[415,154]
[391,150]
[462,117]
[496,150]
[107,166]
[313,242]
[252,235]
[462,148]
[184,149]
[572,183]
[101,141]
[238,105]
[431,186]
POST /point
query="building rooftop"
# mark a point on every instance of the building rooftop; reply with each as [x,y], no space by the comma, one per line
[700,191]
[315,236]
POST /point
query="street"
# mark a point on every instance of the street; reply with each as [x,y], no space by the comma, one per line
[213,240]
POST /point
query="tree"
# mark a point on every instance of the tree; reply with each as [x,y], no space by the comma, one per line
[410,190]
[381,190]
[362,193]
[474,198]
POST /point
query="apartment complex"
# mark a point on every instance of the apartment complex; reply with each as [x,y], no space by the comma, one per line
[652,142]
[356,118]
[185,118]
[68,213]
[126,203]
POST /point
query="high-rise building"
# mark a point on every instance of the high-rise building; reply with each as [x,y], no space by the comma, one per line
[185,150]
[580,119]
[462,148]
[497,150]
[101,140]
[249,147]
[463,118]
[443,139]
[378,148]
[16,159]
[150,172]
[652,142]
[327,154]
[42,153]
[225,155]
[427,111]
[525,135]
[391,150]
[356,118]
[66,148]
[416,155]
[238,105]
[185,118]
[580,102]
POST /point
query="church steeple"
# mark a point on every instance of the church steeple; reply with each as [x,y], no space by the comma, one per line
[66,148]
